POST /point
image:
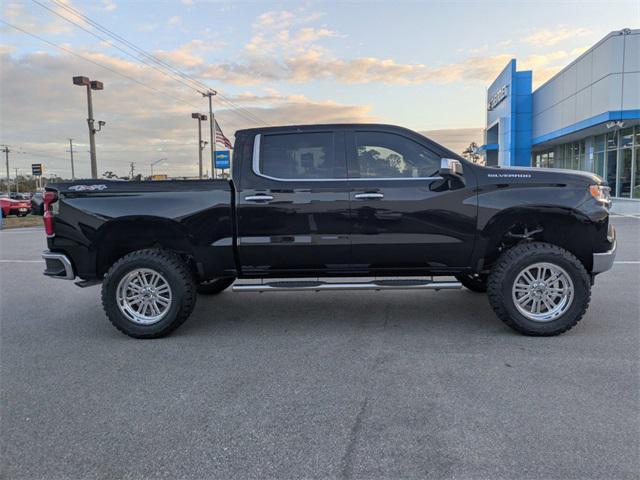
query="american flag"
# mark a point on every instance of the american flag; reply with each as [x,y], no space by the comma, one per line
[220,138]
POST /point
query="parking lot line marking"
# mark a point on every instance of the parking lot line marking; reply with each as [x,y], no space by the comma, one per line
[22,230]
[628,262]
[21,261]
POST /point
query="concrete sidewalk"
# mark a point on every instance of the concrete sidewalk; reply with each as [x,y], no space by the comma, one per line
[623,206]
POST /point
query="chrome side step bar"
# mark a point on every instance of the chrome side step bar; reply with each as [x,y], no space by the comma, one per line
[318,286]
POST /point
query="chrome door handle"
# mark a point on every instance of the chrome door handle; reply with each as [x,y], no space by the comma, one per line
[368,196]
[258,198]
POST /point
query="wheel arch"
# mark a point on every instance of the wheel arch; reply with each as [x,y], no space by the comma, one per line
[124,235]
[565,227]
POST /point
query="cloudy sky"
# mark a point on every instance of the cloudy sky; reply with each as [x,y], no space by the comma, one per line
[423,65]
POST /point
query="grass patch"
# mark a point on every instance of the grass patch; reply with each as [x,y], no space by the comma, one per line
[21,222]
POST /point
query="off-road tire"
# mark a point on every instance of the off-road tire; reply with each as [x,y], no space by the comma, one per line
[476,282]
[505,272]
[215,286]
[176,273]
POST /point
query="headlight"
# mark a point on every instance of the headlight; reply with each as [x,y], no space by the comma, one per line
[601,193]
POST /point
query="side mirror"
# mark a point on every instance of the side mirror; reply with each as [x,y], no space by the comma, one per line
[451,171]
[450,167]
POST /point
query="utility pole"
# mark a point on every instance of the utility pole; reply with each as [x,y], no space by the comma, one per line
[6,156]
[91,85]
[212,123]
[133,167]
[73,173]
[200,117]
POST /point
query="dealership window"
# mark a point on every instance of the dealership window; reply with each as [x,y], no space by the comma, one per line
[616,158]
[636,152]
[626,138]
[598,163]
[299,156]
[625,178]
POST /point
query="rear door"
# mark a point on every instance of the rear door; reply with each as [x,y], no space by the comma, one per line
[293,204]
[404,216]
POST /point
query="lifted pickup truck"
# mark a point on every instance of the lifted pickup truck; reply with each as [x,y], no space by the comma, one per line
[331,201]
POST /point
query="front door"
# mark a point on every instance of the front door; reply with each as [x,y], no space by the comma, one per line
[404,217]
[293,204]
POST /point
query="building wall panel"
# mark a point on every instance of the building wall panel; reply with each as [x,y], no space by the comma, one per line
[584,76]
[631,91]
[607,57]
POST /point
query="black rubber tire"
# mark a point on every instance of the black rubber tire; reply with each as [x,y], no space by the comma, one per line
[177,274]
[476,282]
[215,286]
[505,272]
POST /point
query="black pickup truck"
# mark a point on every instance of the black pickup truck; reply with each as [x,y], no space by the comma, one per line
[378,203]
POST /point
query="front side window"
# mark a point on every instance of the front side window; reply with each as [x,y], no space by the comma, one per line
[299,156]
[387,155]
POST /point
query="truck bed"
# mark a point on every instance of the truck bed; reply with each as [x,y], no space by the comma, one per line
[94,218]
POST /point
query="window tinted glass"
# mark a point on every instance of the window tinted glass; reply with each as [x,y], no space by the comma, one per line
[299,156]
[386,155]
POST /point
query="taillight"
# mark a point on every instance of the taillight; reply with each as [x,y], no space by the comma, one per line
[49,199]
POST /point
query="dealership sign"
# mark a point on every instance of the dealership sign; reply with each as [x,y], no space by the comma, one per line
[498,97]
[222,159]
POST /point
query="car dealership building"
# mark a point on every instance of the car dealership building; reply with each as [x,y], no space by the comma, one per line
[586,117]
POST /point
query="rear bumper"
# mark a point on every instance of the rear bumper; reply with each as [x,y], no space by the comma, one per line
[604,261]
[58,265]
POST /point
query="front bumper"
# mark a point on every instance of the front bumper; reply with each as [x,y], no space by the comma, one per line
[58,265]
[604,261]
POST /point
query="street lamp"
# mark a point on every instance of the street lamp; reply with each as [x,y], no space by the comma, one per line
[200,117]
[155,163]
[91,85]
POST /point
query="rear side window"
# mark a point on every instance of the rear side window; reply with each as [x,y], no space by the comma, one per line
[299,156]
[387,155]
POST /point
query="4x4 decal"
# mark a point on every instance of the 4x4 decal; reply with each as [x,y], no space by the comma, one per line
[88,188]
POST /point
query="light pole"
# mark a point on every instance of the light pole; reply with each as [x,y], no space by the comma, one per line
[6,156]
[155,163]
[212,124]
[91,85]
[200,117]
[73,172]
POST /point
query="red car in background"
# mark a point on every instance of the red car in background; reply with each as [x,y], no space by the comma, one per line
[9,206]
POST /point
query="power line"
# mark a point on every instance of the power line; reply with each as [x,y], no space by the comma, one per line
[198,84]
[101,65]
[112,44]
[131,45]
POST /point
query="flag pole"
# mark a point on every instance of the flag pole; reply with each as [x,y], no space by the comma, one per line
[212,126]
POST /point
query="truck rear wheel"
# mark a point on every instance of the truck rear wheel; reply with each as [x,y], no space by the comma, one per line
[148,293]
[217,285]
[539,289]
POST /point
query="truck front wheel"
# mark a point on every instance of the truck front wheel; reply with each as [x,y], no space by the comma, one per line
[539,289]
[148,293]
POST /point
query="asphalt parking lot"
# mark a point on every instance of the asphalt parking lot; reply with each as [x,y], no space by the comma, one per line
[397,384]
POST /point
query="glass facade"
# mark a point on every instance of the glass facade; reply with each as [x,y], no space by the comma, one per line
[614,156]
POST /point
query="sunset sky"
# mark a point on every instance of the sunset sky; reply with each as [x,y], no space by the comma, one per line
[423,65]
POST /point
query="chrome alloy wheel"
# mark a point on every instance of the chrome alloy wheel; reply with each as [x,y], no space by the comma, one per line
[542,292]
[144,296]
